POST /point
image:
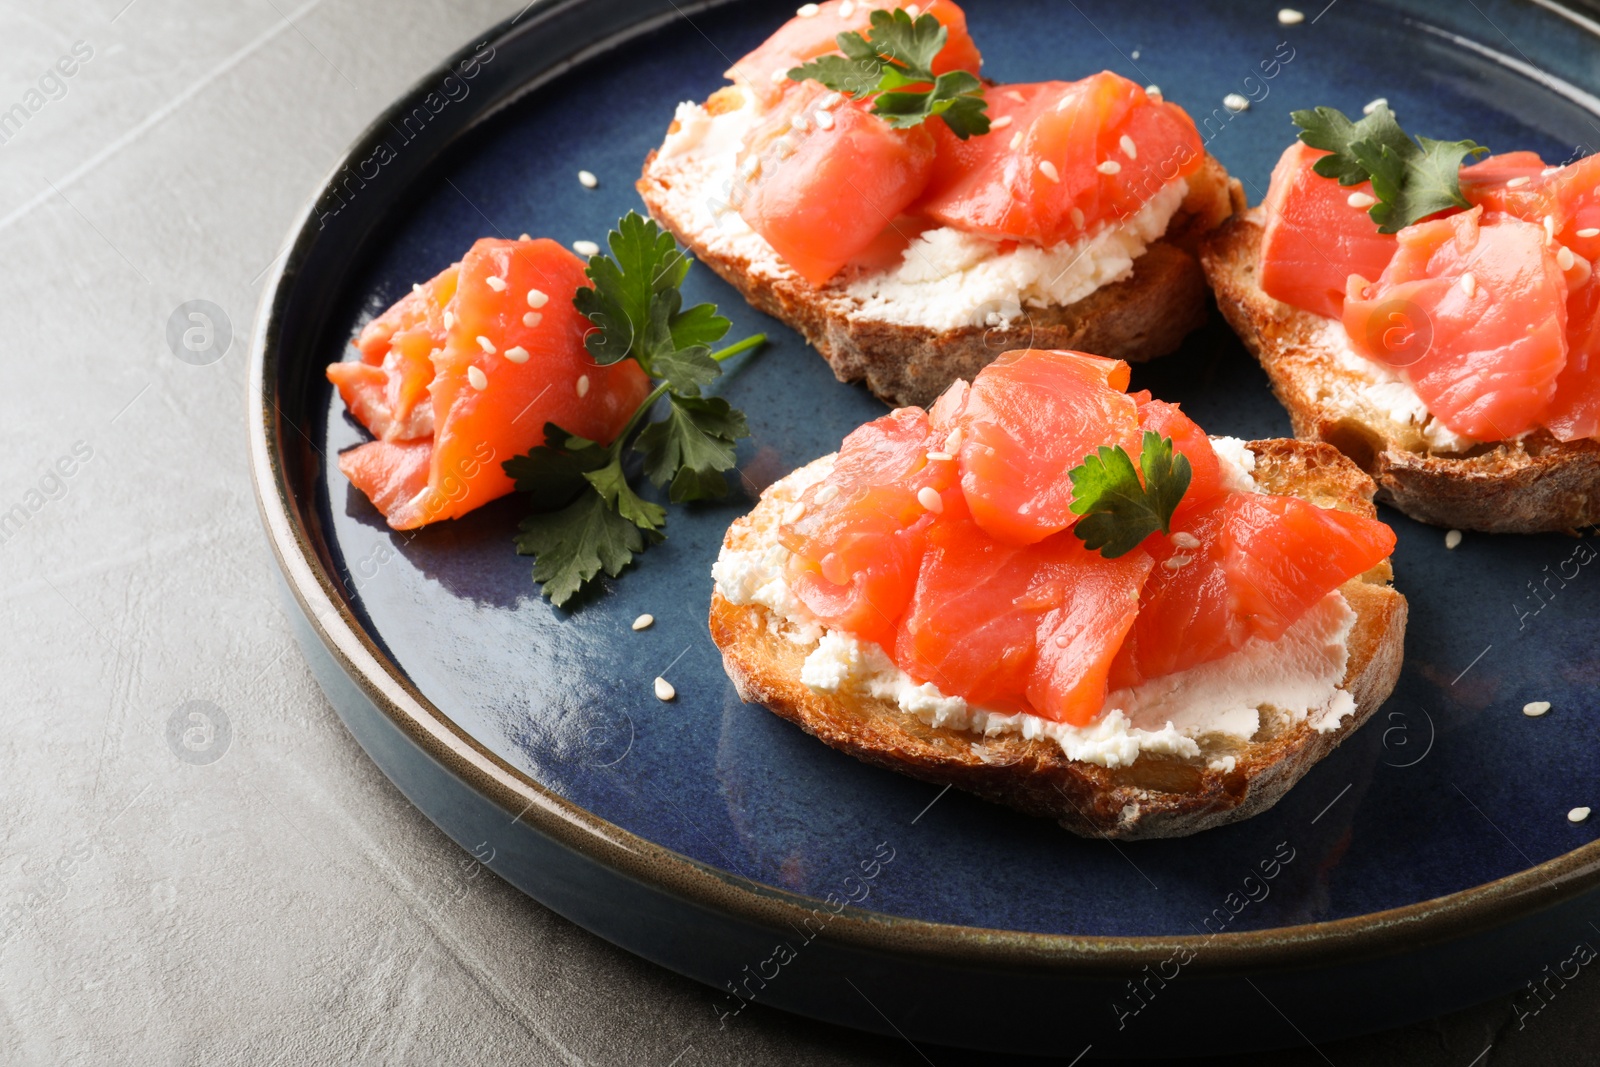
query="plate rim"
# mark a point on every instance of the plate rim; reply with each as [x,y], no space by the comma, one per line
[317,595]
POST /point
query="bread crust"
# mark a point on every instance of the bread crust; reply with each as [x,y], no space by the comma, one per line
[1528,486]
[1144,316]
[1157,795]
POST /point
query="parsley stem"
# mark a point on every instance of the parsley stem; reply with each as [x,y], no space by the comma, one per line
[743,346]
[660,391]
[633,423]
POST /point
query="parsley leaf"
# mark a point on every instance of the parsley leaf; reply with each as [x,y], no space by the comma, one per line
[1118,510]
[1411,179]
[635,299]
[895,60]
[590,519]
[555,470]
[573,545]
[692,446]
[612,485]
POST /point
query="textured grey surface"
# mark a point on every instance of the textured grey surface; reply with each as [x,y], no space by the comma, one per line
[282,904]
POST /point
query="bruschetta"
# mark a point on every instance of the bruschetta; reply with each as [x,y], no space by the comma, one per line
[910,253]
[986,594]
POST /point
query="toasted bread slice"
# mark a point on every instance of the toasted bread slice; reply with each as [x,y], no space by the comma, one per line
[1523,486]
[1156,795]
[1138,318]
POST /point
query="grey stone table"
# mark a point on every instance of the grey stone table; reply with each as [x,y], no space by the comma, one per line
[284,903]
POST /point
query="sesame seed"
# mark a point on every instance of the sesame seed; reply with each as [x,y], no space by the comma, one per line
[664,690]
[913,10]
[846,9]
[1564,258]
[586,248]
[752,164]
[532,319]
[1015,95]
[1371,106]
[1549,171]
[1185,539]
[831,101]
[1174,563]
[583,385]
[1518,182]
[939,457]
[1288,16]
[1361,200]
[1549,229]
[478,379]
[806,11]
[795,512]
[1110,166]
[1153,90]
[1235,102]
[644,622]
[416,288]
[1077,217]
[1452,540]
[953,442]
[517,354]
[1589,231]
[1016,140]
[784,146]
[587,179]
[826,494]
[799,123]
[449,320]
[1469,284]
[1578,815]
[1536,708]
[1129,149]
[524,237]
[929,498]
[486,344]
[496,283]
[824,120]
[1000,123]
[778,76]
[1048,169]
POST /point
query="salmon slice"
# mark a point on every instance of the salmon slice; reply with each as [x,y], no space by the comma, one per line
[420,309]
[513,360]
[859,535]
[1030,417]
[1315,238]
[805,37]
[1018,627]
[1188,439]
[1066,159]
[822,194]
[390,473]
[1520,184]
[1483,355]
[1574,411]
[1262,562]
[387,390]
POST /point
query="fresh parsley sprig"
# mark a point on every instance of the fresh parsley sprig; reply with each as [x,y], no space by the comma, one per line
[1119,511]
[590,519]
[896,54]
[1412,179]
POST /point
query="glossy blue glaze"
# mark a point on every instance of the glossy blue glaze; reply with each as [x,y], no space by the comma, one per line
[1450,785]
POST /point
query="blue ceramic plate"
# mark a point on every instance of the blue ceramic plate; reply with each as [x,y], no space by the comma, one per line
[705,833]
